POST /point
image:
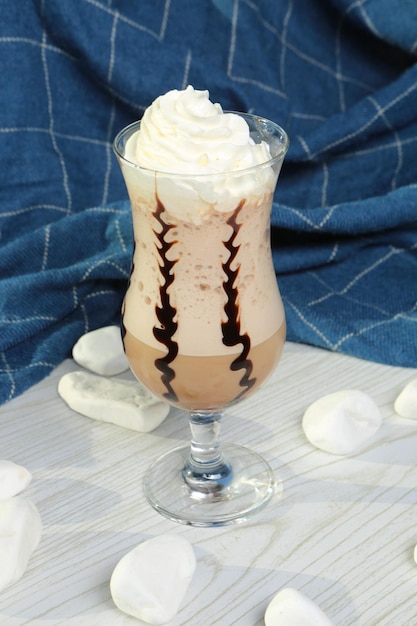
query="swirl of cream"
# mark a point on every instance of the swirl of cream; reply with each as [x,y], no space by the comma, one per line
[184,132]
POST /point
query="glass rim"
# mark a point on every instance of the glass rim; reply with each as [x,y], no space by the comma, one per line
[131,128]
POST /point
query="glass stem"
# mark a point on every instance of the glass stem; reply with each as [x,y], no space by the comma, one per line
[207,471]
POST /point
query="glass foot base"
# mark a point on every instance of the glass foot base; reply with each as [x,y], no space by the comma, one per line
[249,491]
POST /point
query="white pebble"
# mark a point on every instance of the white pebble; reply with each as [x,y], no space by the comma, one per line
[290,607]
[20,533]
[150,582]
[406,403]
[342,421]
[122,402]
[101,351]
[13,479]
[415,554]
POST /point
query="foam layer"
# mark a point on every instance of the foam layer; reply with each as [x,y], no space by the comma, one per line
[199,257]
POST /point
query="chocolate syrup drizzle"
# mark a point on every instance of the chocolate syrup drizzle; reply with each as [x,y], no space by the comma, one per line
[231,328]
[166,312]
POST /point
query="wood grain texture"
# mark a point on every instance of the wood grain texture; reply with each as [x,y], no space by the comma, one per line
[342,531]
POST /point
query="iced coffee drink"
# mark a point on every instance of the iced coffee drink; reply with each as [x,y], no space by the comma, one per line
[203,319]
[203,322]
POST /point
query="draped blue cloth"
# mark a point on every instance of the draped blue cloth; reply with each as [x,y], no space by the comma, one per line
[339,75]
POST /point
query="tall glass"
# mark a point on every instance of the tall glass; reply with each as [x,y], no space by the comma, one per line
[203,323]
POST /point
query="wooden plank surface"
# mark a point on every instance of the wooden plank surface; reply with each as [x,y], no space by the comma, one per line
[342,531]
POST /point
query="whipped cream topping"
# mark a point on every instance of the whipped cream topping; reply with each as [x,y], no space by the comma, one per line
[197,159]
[184,132]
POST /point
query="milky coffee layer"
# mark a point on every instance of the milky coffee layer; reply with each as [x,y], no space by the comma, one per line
[202,255]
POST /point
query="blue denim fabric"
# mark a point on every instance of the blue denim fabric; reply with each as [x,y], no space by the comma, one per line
[339,76]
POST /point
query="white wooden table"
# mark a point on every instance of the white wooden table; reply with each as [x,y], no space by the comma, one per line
[342,532]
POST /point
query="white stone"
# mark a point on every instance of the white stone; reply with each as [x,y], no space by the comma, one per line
[101,351]
[150,582]
[20,533]
[415,554]
[290,607]
[122,402]
[406,403]
[13,479]
[342,421]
